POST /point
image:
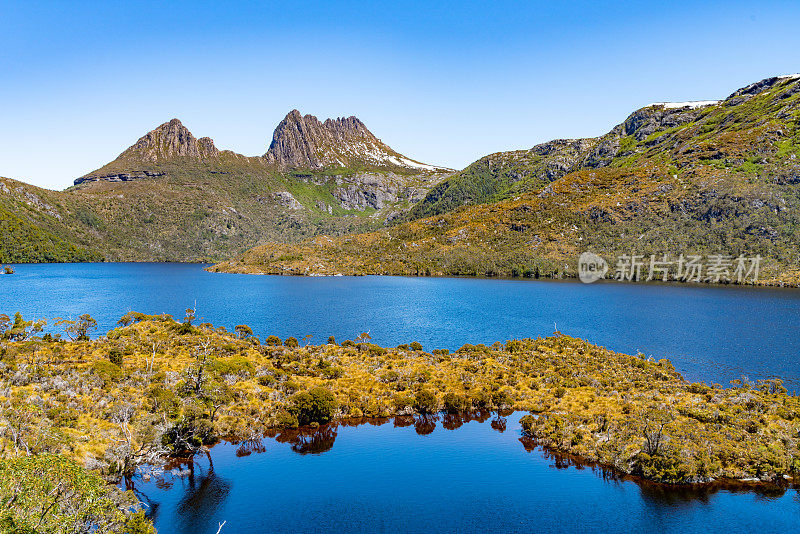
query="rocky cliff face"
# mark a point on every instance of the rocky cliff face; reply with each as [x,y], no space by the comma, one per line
[170,140]
[304,142]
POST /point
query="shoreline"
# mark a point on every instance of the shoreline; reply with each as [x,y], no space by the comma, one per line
[771,283]
[211,267]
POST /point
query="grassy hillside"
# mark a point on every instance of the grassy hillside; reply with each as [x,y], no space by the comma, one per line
[756,125]
[36,227]
[717,179]
[193,211]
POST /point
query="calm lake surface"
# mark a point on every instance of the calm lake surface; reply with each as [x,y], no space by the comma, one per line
[709,333]
[472,478]
[468,478]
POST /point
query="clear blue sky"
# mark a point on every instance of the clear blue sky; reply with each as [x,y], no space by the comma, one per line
[445,83]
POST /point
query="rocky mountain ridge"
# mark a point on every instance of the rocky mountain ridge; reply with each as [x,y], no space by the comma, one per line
[303,142]
[694,175]
[299,142]
[174,197]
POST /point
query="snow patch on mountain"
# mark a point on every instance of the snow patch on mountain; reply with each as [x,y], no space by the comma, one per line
[692,105]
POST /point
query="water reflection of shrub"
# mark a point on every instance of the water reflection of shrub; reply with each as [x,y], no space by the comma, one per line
[452,421]
[250,446]
[204,494]
[308,440]
[402,421]
[424,424]
[373,421]
[499,423]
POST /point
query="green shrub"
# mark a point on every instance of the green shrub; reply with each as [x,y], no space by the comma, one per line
[190,433]
[273,341]
[290,386]
[236,365]
[402,401]
[52,494]
[163,400]
[514,345]
[481,399]
[266,380]
[316,405]
[416,345]
[425,401]
[502,398]
[291,342]
[107,371]
[286,419]
[332,372]
[453,402]
[375,350]
[138,523]
[390,376]
[115,356]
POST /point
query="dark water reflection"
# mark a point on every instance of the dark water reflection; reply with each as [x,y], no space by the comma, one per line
[310,440]
[479,475]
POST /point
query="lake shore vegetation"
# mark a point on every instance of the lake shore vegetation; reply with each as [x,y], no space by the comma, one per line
[152,388]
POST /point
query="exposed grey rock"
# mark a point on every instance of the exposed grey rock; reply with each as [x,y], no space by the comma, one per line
[376,190]
[286,199]
[322,206]
[757,87]
[171,139]
[118,177]
[304,142]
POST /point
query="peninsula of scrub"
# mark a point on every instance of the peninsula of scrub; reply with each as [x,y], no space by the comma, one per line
[155,387]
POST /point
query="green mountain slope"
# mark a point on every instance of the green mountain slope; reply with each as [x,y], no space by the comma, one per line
[710,178]
[758,120]
[35,227]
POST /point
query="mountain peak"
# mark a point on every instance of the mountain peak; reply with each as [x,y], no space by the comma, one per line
[168,141]
[304,142]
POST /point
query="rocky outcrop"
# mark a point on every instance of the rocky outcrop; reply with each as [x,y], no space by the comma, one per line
[299,142]
[118,177]
[286,199]
[304,142]
[376,191]
[170,140]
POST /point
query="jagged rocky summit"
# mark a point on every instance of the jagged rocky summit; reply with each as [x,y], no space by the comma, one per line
[299,142]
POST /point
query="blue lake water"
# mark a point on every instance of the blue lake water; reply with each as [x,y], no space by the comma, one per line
[474,478]
[709,333]
[468,479]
